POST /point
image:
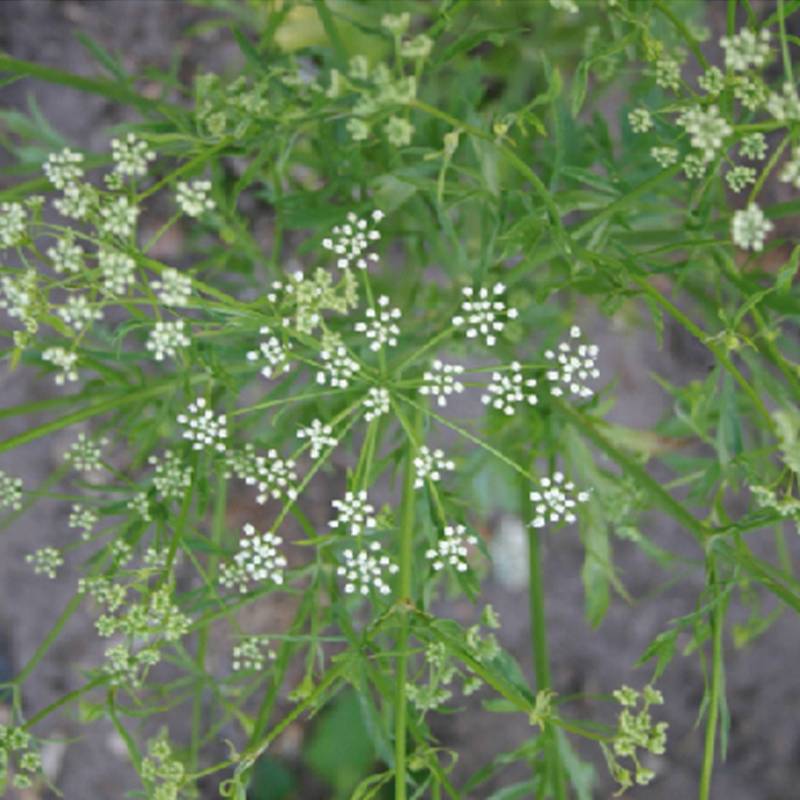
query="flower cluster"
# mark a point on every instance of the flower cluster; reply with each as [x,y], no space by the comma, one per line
[376,403]
[193,199]
[452,549]
[484,313]
[131,156]
[258,560]
[749,228]
[379,327]
[365,570]
[16,748]
[64,361]
[204,428]
[174,289]
[555,501]
[66,255]
[573,367]
[273,352]
[83,519]
[128,668]
[508,390]
[351,241]
[117,269]
[171,477]
[635,732]
[275,476]
[10,491]
[45,561]
[338,367]
[166,338]
[746,49]
[354,513]
[249,654]
[118,217]
[319,435]
[86,455]
[429,465]
[442,380]
[63,168]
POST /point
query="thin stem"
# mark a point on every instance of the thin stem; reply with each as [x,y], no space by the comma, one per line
[717,676]
[404,597]
[538,625]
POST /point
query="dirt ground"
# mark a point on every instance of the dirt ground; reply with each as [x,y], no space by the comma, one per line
[764,754]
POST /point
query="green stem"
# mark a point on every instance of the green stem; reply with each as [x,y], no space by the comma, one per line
[404,598]
[541,660]
[717,624]
[217,530]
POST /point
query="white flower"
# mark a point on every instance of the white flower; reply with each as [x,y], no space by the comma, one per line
[739,178]
[66,255]
[45,561]
[508,390]
[131,156]
[376,402]
[10,491]
[118,271]
[555,501]
[249,654]
[78,313]
[694,166]
[441,381]
[273,352]
[452,549]
[791,170]
[354,513]
[429,465]
[319,435]
[174,289]
[77,200]
[86,455]
[276,477]
[664,156]
[484,313]
[258,560]
[753,146]
[668,73]
[63,168]
[640,120]
[379,326]
[399,131]
[118,217]
[12,224]
[573,367]
[166,338]
[65,361]
[712,81]
[785,105]
[84,519]
[171,477]
[204,428]
[351,242]
[365,570]
[749,228]
[140,504]
[706,128]
[746,49]
[193,199]
[18,294]
[750,92]
[338,367]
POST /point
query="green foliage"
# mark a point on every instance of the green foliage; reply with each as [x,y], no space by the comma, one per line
[448,188]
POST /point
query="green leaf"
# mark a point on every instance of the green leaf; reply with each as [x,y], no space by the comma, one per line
[729,429]
[340,749]
[580,85]
[788,425]
[391,192]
